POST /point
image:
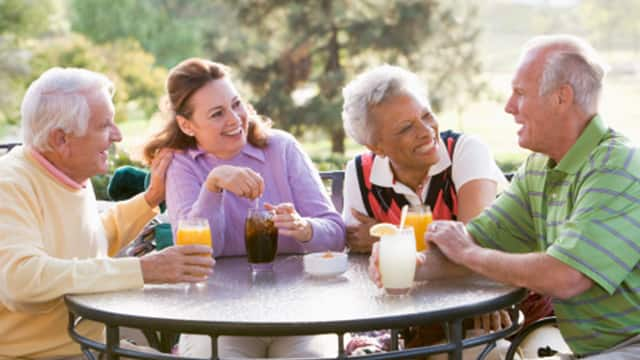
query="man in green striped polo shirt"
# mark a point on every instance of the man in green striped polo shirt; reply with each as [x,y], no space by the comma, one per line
[569,224]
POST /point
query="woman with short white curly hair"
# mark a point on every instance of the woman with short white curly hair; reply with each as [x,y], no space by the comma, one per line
[410,162]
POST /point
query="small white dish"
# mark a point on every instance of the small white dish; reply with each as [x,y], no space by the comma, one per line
[325,264]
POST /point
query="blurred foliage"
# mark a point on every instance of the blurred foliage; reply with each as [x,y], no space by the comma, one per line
[26,17]
[34,36]
[20,20]
[132,70]
[334,161]
[117,158]
[172,30]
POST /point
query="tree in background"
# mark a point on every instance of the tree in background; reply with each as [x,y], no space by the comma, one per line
[171,30]
[139,82]
[34,36]
[310,49]
[297,55]
[20,20]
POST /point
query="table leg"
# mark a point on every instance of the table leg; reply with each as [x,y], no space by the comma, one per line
[454,335]
[394,339]
[152,338]
[214,346]
[341,354]
[113,341]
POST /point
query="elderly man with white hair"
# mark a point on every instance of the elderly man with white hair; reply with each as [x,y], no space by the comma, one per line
[569,224]
[52,239]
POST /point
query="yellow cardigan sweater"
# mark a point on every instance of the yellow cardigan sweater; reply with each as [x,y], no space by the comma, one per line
[54,242]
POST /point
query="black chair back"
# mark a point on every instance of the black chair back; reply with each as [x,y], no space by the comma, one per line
[336,177]
[6,147]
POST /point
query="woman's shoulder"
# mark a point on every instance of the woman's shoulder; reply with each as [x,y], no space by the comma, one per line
[470,145]
[182,159]
[470,140]
[282,143]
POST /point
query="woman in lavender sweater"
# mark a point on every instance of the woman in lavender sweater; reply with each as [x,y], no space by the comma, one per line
[230,158]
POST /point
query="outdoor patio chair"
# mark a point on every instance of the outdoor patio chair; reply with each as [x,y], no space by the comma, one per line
[6,147]
[336,177]
[521,337]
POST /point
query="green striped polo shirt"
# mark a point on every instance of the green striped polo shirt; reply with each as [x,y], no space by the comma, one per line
[585,212]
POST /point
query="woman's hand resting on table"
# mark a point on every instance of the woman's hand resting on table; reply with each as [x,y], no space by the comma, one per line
[289,222]
[239,180]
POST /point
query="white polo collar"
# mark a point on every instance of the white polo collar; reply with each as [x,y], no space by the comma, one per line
[382,175]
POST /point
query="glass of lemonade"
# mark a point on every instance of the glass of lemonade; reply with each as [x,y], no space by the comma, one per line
[260,239]
[397,262]
[419,217]
[193,231]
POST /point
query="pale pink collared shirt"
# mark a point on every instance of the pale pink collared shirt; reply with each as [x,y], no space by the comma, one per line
[55,172]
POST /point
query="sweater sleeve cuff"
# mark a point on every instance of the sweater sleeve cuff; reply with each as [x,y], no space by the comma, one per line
[133,268]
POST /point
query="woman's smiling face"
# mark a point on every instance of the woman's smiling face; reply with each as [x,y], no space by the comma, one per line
[406,132]
[219,119]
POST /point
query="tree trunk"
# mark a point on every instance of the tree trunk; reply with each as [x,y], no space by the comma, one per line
[337,141]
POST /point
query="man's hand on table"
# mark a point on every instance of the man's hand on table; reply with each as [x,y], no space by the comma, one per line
[452,238]
[187,263]
[454,241]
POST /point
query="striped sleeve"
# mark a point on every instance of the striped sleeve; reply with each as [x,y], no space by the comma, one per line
[507,224]
[600,239]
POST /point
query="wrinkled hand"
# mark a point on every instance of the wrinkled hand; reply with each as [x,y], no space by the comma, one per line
[452,239]
[178,264]
[494,321]
[358,238]
[155,193]
[241,181]
[374,264]
[289,222]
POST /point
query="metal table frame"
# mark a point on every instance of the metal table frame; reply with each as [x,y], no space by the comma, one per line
[160,330]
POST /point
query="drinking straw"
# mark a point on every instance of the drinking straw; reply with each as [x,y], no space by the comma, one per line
[403,216]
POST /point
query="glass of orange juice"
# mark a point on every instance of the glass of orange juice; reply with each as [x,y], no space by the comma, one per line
[419,217]
[193,231]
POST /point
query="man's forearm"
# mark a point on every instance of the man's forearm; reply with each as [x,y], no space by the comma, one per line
[536,271]
[437,266]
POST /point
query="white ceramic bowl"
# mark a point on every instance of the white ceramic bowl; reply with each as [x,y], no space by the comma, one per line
[325,264]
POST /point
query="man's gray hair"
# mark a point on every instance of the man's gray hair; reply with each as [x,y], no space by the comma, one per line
[371,88]
[573,61]
[58,100]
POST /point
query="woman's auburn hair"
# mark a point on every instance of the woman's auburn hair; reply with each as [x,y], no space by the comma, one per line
[183,81]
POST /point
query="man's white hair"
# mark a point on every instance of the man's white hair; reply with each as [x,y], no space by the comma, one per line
[572,61]
[371,88]
[58,100]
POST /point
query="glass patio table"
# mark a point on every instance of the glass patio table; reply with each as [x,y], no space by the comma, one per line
[289,302]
